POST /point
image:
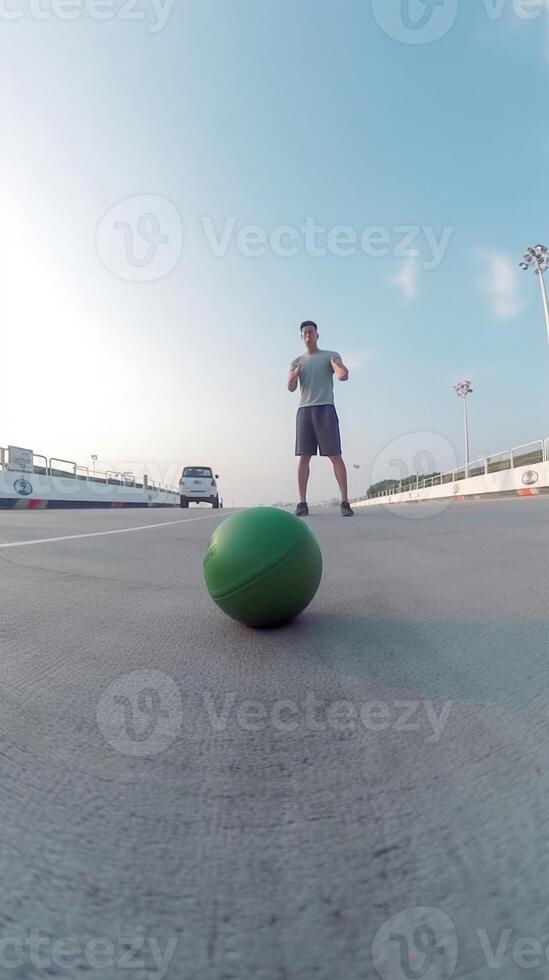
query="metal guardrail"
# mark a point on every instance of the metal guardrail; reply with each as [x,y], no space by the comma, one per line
[78,472]
[58,472]
[530,454]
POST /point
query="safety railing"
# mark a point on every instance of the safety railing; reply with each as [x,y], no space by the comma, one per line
[478,467]
[55,471]
[500,461]
[530,454]
[37,466]
[70,470]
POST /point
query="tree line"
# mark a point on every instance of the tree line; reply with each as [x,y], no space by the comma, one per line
[409,483]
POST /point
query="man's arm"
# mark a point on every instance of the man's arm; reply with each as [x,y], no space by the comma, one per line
[339,369]
[293,377]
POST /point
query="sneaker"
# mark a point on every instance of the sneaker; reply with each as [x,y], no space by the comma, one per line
[346,509]
[302,510]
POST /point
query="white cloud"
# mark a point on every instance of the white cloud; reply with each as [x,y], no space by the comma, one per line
[408,278]
[500,282]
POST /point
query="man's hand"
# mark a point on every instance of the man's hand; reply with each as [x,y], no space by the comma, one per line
[293,377]
[339,369]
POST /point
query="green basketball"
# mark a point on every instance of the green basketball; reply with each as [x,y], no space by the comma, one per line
[263,566]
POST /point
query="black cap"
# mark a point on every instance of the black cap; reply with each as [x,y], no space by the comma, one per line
[308,323]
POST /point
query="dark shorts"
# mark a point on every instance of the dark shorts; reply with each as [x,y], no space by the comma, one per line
[317,428]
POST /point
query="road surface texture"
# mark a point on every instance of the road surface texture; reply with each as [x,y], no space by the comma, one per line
[364,792]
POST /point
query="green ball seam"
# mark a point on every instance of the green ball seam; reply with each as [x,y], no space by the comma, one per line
[250,581]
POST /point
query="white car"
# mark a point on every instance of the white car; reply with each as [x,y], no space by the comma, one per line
[198,484]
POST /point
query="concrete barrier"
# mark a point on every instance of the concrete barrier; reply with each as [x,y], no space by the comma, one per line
[19,489]
[522,481]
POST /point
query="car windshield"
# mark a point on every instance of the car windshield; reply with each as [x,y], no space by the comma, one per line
[198,471]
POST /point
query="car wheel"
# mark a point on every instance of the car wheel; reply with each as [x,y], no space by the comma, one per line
[216,503]
[183,502]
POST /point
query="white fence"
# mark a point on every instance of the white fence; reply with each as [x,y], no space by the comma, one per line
[523,471]
[47,482]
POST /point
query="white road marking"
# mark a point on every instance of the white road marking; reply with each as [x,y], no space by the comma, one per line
[98,534]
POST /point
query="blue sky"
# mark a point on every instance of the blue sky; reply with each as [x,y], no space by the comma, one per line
[266,114]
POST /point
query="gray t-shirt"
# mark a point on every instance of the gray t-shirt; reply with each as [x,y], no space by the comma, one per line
[316,378]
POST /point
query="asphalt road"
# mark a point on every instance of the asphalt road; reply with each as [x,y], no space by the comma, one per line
[183,797]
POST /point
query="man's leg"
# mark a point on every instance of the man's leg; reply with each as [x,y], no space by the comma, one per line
[305,446]
[341,476]
[303,471]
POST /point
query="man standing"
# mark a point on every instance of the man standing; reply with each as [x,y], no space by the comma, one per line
[317,424]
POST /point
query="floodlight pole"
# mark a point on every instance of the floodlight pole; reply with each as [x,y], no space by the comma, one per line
[462,389]
[538,258]
[356,467]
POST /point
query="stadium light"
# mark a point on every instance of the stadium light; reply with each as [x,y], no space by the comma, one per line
[537,258]
[356,467]
[462,389]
